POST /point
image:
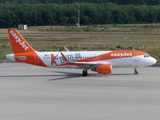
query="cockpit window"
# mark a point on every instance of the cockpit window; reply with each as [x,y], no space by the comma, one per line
[145,56]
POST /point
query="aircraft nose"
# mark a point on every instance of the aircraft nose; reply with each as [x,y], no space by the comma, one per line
[153,61]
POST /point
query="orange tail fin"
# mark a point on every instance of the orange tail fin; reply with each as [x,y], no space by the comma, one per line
[23,52]
[19,44]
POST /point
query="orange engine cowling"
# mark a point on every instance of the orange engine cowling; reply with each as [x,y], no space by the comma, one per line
[104,69]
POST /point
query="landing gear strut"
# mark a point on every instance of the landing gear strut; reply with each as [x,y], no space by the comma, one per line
[135,71]
[84,73]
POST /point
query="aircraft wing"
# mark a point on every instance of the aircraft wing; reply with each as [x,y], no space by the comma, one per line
[86,63]
[93,63]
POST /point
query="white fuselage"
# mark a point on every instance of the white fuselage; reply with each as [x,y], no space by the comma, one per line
[130,61]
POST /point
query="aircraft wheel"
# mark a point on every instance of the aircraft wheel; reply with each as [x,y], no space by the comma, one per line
[84,73]
[136,72]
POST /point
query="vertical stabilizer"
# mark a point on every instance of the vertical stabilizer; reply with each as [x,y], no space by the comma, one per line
[23,52]
[19,44]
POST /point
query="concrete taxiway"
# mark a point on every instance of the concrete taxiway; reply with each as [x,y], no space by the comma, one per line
[35,93]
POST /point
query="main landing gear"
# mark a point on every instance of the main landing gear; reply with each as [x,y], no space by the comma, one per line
[135,71]
[85,73]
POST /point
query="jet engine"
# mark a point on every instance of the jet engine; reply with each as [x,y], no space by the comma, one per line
[103,69]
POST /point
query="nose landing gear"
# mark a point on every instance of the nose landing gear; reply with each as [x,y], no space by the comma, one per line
[135,71]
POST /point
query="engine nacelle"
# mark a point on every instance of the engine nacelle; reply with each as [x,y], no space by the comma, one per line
[104,69]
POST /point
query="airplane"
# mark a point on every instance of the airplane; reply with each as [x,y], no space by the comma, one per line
[98,61]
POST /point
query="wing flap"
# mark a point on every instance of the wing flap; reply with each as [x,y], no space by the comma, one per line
[93,63]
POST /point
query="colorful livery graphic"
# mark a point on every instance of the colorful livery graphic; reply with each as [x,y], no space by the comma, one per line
[99,61]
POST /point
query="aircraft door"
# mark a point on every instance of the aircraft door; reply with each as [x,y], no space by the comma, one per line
[136,59]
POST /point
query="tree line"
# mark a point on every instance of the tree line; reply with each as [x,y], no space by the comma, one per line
[12,15]
[119,2]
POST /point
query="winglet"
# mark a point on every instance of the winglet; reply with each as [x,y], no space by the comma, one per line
[65,59]
[65,48]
